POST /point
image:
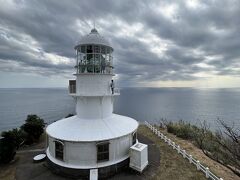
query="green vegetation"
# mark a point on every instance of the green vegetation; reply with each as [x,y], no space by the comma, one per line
[28,133]
[34,127]
[221,146]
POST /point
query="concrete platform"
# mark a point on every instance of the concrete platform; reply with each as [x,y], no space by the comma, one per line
[27,170]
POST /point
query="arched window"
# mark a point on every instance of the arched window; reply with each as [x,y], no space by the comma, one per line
[59,148]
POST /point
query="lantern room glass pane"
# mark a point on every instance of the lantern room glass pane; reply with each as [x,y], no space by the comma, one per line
[103,49]
[96,49]
[83,49]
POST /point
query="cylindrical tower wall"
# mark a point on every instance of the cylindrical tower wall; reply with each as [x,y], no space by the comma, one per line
[94,107]
[93,84]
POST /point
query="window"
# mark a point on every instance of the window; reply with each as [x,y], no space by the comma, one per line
[83,50]
[96,49]
[134,138]
[59,150]
[102,151]
[103,49]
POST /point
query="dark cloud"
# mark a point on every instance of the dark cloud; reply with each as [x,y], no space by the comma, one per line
[39,36]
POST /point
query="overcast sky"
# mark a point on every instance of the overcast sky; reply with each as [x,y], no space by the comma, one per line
[156,43]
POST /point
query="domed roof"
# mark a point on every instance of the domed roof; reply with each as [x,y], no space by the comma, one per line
[93,38]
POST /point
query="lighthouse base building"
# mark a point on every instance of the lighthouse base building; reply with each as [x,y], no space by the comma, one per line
[95,139]
[100,144]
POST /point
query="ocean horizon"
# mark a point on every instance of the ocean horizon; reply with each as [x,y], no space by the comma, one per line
[192,105]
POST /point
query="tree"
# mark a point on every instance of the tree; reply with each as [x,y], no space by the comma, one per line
[229,141]
[34,127]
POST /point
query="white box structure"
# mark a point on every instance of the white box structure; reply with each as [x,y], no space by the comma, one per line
[139,156]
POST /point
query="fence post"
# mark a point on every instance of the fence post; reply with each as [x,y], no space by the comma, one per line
[159,133]
[169,142]
[190,159]
[221,179]
[198,165]
[184,154]
[207,172]
[178,149]
[173,145]
[165,138]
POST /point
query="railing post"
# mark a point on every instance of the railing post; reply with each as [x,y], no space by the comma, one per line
[169,142]
[207,172]
[190,159]
[184,154]
[198,165]
[221,179]
[159,133]
[178,149]
[173,145]
[165,138]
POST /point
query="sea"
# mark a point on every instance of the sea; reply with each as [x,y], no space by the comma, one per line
[143,104]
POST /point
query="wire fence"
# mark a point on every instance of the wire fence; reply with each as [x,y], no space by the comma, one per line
[183,152]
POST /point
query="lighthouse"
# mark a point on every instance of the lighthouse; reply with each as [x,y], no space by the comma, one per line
[95,138]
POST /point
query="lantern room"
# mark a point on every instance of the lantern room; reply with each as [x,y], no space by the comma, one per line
[94,54]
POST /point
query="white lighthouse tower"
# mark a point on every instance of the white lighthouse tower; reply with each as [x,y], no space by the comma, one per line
[94,138]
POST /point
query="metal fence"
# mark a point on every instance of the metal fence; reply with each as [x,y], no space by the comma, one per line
[183,152]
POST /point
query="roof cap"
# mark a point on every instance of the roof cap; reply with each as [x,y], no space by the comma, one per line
[93,38]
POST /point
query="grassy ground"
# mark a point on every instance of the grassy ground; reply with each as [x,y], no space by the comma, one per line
[172,165]
[214,166]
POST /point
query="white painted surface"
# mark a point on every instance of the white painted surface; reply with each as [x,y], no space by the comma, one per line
[93,38]
[83,155]
[90,85]
[39,157]
[139,156]
[94,174]
[77,129]
[96,107]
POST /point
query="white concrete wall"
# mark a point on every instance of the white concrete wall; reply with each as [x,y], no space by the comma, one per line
[84,154]
[80,153]
[93,84]
[51,146]
[94,107]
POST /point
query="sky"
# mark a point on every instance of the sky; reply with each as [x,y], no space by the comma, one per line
[167,43]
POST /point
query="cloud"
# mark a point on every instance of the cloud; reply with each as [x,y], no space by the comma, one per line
[153,40]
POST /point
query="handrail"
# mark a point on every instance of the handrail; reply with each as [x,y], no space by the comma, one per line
[181,151]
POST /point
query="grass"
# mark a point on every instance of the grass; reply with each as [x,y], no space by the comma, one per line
[214,166]
[172,165]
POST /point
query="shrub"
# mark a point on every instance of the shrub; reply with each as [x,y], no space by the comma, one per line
[17,136]
[34,127]
[10,142]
